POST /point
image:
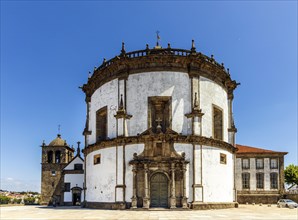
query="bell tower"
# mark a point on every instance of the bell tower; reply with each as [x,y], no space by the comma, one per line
[55,157]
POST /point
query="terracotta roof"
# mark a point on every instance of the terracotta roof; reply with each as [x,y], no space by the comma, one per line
[255,150]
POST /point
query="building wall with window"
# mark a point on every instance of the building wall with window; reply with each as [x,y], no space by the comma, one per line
[169,120]
[73,179]
[259,175]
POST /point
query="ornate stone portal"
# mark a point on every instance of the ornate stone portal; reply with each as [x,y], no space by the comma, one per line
[159,173]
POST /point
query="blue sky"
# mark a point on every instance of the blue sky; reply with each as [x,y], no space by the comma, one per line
[47,49]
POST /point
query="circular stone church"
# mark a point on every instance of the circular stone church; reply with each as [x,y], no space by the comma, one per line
[159,131]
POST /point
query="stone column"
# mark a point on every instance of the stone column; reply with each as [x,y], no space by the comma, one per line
[184,199]
[146,202]
[134,191]
[281,175]
[231,126]
[173,188]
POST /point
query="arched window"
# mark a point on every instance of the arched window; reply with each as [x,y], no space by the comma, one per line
[50,156]
[57,156]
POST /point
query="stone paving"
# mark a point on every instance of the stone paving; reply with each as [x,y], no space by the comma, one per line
[246,212]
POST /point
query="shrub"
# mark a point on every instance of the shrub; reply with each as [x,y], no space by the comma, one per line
[29,200]
[4,199]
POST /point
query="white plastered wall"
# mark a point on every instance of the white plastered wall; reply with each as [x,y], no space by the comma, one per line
[252,171]
[217,178]
[75,180]
[101,178]
[213,94]
[143,85]
[106,95]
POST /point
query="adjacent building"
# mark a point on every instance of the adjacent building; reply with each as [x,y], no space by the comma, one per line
[259,175]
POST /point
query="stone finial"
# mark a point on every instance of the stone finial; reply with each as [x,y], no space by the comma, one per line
[193,48]
[89,75]
[43,143]
[212,56]
[147,46]
[169,45]
[123,49]
[157,38]
[104,61]
[223,65]
[121,107]
[78,149]
[196,102]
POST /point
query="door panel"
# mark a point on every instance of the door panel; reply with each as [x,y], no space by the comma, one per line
[159,190]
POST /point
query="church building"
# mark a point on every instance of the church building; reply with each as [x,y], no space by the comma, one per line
[159,132]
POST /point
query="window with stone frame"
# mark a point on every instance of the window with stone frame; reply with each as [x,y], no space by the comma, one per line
[273,163]
[273,180]
[78,166]
[259,163]
[66,187]
[217,123]
[245,180]
[223,158]
[245,163]
[97,159]
[159,113]
[53,172]
[101,124]
[260,180]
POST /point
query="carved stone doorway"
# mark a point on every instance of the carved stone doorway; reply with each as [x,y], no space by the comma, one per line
[159,190]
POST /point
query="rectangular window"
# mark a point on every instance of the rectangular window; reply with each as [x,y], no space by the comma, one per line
[245,163]
[159,113]
[223,158]
[260,180]
[260,163]
[97,159]
[66,187]
[273,163]
[78,166]
[245,180]
[217,123]
[53,172]
[101,124]
[273,181]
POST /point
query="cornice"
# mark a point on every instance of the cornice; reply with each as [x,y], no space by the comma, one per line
[149,60]
[174,138]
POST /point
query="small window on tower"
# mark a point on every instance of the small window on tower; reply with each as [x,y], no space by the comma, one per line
[53,173]
[50,157]
[97,159]
[223,158]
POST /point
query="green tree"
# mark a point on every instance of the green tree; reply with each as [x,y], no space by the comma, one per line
[4,199]
[291,175]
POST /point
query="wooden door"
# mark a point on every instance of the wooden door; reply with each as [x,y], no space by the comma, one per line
[159,190]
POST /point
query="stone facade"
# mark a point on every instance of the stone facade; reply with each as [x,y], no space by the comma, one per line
[158,146]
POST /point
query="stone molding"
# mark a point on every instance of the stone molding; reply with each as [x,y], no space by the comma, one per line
[149,60]
[175,138]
